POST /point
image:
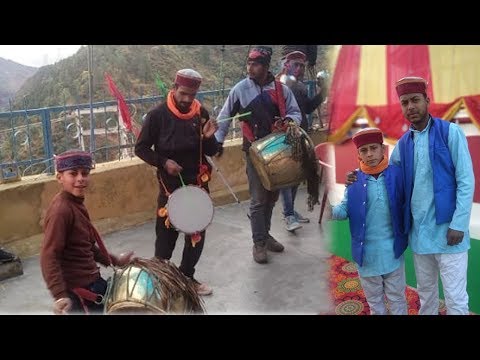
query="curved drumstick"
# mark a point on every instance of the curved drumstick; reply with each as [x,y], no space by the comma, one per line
[209,159]
[234,117]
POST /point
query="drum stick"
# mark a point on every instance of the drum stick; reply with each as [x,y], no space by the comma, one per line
[322,207]
[209,159]
[234,117]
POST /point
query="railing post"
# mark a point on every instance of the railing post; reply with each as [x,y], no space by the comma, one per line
[47,140]
[90,96]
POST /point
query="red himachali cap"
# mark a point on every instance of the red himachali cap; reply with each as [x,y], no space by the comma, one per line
[188,78]
[367,136]
[410,85]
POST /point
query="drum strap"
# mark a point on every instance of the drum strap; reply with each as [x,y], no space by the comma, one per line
[167,193]
[100,244]
[203,176]
[86,294]
[247,129]
[280,99]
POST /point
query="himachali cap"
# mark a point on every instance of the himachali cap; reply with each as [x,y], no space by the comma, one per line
[73,159]
[295,55]
[188,78]
[410,85]
[367,136]
[261,54]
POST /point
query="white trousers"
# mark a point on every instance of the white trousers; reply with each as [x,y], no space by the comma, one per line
[453,273]
[390,286]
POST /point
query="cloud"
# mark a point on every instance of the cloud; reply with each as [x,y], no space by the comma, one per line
[37,55]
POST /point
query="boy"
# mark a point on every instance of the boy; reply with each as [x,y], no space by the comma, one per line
[72,246]
[374,205]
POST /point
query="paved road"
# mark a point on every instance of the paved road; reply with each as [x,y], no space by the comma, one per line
[293,282]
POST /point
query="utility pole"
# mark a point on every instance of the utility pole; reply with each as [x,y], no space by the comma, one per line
[221,72]
[90,95]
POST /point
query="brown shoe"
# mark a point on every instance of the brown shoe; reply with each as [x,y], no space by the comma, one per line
[274,245]
[260,252]
[202,288]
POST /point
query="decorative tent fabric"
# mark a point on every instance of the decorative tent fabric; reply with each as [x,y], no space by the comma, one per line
[364,77]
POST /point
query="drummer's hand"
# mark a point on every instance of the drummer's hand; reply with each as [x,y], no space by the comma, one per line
[62,305]
[351,178]
[124,259]
[281,124]
[278,124]
[172,167]
[210,128]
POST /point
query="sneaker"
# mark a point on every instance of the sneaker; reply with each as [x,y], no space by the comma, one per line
[292,223]
[274,245]
[6,256]
[260,252]
[202,288]
[301,218]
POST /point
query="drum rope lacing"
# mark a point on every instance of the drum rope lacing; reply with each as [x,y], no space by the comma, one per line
[306,155]
[169,284]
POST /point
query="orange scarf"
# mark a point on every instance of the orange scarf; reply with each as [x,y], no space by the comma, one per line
[372,170]
[194,108]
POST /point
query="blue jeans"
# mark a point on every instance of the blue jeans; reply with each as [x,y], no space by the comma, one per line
[262,203]
[288,200]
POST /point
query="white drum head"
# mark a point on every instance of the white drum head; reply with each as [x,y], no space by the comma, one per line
[190,209]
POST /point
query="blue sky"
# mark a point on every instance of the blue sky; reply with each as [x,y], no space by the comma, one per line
[37,55]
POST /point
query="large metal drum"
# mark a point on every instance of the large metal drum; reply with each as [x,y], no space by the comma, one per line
[151,286]
[272,158]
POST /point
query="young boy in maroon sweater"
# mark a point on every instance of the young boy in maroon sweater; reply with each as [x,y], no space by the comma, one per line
[72,247]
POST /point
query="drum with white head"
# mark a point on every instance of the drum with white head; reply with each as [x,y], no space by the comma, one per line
[190,209]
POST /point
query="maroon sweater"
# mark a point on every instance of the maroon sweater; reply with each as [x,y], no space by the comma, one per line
[69,253]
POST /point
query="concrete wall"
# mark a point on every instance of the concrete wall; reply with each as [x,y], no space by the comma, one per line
[121,194]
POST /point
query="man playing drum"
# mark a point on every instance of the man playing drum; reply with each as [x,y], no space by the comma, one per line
[181,133]
[267,100]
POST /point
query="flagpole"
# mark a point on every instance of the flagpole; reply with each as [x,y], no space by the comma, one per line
[90,95]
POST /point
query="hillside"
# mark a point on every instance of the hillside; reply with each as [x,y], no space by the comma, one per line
[12,77]
[134,69]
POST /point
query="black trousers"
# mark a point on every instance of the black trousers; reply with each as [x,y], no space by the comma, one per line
[167,238]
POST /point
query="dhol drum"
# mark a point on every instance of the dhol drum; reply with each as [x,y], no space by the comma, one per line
[190,209]
[151,286]
[272,158]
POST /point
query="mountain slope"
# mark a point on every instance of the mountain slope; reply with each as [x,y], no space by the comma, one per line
[134,69]
[12,77]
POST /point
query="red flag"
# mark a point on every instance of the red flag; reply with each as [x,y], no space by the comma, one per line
[122,105]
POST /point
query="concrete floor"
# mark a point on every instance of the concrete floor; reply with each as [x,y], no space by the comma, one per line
[293,282]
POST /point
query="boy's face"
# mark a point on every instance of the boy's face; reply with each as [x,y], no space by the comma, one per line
[74,181]
[371,154]
[297,69]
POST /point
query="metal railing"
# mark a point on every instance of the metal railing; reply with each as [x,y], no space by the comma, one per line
[29,138]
